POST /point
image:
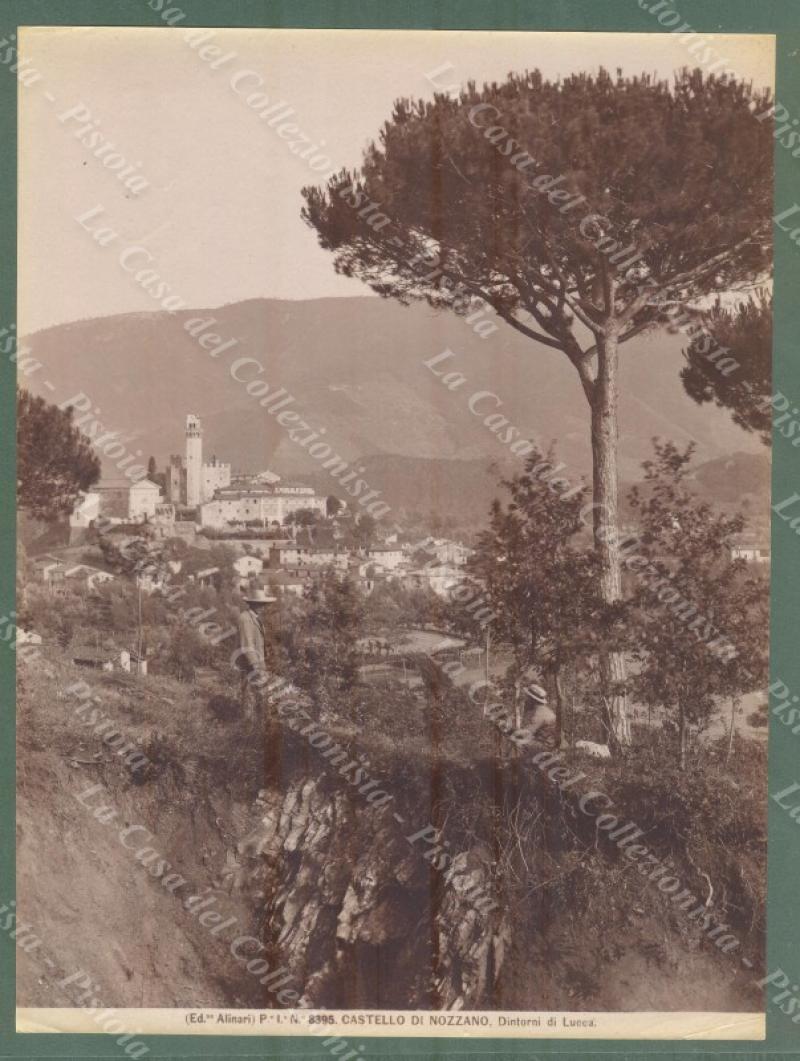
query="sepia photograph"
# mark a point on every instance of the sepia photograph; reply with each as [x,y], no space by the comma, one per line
[394,425]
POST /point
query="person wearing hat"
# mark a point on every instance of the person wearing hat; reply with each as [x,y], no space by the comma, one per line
[542,728]
[250,658]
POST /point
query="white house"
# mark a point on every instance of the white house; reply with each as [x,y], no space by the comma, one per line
[452,552]
[150,581]
[206,577]
[122,499]
[390,557]
[132,662]
[144,498]
[445,551]
[328,556]
[87,509]
[286,582]
[441,578]
[247,566]
[292,554]
[753,549]
[247,502]
[288,554]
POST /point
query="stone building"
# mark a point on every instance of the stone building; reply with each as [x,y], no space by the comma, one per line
[194,460]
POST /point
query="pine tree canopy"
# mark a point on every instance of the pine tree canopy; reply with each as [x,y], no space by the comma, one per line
[477,190]
[745,333]
[55,460]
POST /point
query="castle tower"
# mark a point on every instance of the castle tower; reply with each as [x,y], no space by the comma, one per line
[174,485]
[194,460]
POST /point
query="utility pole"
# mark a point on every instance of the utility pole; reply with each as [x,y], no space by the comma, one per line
[139,639]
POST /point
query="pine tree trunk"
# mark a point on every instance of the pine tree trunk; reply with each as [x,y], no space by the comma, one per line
[613,672]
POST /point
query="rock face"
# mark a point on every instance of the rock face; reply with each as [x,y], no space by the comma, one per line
[356,910]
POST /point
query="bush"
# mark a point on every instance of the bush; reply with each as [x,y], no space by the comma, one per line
[224,708]
[186,650]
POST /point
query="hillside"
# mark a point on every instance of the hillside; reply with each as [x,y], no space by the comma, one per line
[289,852]
[355,368]
[463,490]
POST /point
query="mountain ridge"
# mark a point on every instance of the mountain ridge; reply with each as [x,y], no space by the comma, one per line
[356,370]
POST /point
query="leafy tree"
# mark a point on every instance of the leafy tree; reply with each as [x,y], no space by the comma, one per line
[113,608]
[186,651]
[625,197]
[538,579]
[745,334]
[154,475]
[697,582]
[55,461]
[332,506]
[175,548]
[138,557]
[302,517]
[22,582]
[322,646]
[387,608]
[365,530]
[66,631]
[222,556]
[128,558]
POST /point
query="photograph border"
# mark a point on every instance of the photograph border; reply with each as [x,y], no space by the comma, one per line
[778,17]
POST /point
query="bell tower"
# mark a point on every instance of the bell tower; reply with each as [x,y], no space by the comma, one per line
[194,459]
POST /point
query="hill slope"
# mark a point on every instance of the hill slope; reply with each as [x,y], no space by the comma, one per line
[265,827]
[355,368]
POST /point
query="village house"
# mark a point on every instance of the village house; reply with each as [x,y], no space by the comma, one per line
[328,556]
[447,552]
[209,576]
[390,557]
[150,581]
[248,566]
[284,582]
[122,499]
[133,662]
[258,503]
[109,659]
[751,548]
[86,511]
[441,578]
[287,554]
[293,554]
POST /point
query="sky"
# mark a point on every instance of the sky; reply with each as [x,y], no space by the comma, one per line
[221,214]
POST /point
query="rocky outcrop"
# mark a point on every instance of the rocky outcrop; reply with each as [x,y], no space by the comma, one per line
[357,911]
